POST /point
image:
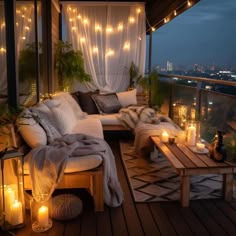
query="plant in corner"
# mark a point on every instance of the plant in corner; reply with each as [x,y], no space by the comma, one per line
[134,76]
[70,65]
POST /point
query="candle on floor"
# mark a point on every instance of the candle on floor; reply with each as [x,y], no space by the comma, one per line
[200,146]
[16,213]
[43,216]
[164,137]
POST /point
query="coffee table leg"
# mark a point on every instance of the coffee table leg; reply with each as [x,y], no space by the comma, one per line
[184,191]
[228,186]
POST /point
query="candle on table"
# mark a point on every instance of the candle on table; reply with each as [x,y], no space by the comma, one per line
[43,216]
[16,213]
[200,146]
[164,137]
[191,137]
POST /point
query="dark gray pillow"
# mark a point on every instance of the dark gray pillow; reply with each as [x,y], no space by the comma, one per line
[107,103]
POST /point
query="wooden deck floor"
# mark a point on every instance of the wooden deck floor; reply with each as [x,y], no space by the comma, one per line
[205,217]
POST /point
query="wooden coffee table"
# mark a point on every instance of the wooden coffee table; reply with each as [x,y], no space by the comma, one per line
[187,163]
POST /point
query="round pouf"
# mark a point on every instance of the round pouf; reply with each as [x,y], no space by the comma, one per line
[66,207]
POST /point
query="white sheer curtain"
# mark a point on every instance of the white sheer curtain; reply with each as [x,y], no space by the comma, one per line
[110,36]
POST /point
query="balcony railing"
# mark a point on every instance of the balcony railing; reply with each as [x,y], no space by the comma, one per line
[212,101]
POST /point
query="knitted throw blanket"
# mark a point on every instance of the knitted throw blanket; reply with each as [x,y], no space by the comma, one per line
[47,164]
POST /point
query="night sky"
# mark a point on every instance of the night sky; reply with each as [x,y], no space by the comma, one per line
[204,34]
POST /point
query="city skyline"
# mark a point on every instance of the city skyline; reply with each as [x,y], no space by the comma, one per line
[204,34]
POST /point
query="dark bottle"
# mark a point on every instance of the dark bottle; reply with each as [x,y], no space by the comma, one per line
[217,149]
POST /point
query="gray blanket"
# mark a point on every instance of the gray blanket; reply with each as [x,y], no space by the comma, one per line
[47,164]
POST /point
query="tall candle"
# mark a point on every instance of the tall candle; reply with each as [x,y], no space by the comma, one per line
[164,137]
[16,213]
[191,137]
[9,196]
[43,216]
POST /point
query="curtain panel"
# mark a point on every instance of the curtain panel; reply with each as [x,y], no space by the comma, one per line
[110,36]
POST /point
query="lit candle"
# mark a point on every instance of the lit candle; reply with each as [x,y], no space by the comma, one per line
[200,146]
[191,137]
[43,216]
[16,213]
[164,137]
[9,196]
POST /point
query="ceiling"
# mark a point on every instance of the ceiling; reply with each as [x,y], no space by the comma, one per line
[158,12]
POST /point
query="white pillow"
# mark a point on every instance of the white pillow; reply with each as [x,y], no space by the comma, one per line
[33,134]
[127,98]
[72,103]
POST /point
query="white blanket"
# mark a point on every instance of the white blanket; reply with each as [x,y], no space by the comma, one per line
[47,164]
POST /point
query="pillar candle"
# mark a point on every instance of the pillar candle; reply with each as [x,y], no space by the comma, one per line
[9,197]
[43,216]
[191,137]
[164,137]
[16,213]
[200,146]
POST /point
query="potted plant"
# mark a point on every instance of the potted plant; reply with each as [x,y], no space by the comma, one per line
[134,76]
[70,65]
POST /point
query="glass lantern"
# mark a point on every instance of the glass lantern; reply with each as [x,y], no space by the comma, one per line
[40,209]
[12,204]
[192,132]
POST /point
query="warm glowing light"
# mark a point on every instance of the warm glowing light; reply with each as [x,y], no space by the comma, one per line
[131,20]
[98,28]
[138,10]
[120,27]
[140,38]
[175,13]
[24,38]
[70,19]
[82,40]
[69,8]
[110,52]
[126,46]
[73,28]
[3,25]
[109,29]
[2,49]
[85,21]
[18,11]
[166,20]
[79,17]
[74,10]
[189,3]
[25,8]
[27,27]
[23,16]
[153,29]
[95,50]
[29,20]
[17,23]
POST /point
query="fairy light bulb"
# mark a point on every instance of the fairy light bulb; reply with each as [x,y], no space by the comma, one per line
[85,21]
[139,38]
[120,27]
[73,28]
[79,17]
[98,28]
[138,10]
[23,38]
[27,28]
[29,20]
[189,3]
[74,10]
[109,29]
[110,52]
[3,25]
[131,20]
[126,46]
[175,13]
[69,8]
[95,49]
[2,49]
[23,16]
[153,29]
[82,40]
[17,23]
[70,19]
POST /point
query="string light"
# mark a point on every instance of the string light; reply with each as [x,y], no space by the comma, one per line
[95,49]
[109,29]
[138,10]
[29,20]
[110,52]
[85,21]
[82,40]
[17,23]
[120,27]
[27,27]
[24,38]
[171,15]
[140,38]
[3,25]
[70,19]
[73,28]
[2,49]
[126,46]
[98,28]
[23,16]
[153,29]
[79,16]
[131,20]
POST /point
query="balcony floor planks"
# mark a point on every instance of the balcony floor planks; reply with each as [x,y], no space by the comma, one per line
[156,218]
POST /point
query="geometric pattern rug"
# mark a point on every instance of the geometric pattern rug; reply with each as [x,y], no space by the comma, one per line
[156,180]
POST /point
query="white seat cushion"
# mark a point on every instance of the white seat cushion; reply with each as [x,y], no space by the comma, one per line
[75,164]
[89,126]
[107,119]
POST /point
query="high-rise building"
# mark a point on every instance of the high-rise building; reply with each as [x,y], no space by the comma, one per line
[169,66]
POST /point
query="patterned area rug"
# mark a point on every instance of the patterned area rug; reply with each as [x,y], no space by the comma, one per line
[156,180]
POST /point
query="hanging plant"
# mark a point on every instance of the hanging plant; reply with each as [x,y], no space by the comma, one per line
[70,65]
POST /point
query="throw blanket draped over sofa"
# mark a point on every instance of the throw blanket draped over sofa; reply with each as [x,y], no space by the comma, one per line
[47,164]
